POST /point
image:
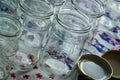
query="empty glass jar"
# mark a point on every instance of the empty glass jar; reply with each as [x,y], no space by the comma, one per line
[10,31]
[65,44]
[35,16]
[92,8]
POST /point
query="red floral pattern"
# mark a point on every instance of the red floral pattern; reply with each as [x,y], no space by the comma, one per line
[35,67]
[31,57]
[39,75]
[13,75]
[26,76]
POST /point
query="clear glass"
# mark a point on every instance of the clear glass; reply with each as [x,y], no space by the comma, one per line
[92,8]
[9,35]
[7,7]
[4,70]
[35,16]
[65,44]
[56,4]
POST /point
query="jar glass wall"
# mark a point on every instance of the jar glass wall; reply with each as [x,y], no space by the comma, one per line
[7,7]
[65,43]
[35,17]
[94,9]
[4,70]
[9,34]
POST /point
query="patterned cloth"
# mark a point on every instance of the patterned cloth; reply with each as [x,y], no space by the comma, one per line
[107,37]
[104,40]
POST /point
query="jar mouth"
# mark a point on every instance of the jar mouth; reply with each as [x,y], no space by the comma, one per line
[36,8]
[74,21]
[92,8]
[9,26]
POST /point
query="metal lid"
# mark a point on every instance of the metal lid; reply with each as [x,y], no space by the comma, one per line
[113,57]
[93,67]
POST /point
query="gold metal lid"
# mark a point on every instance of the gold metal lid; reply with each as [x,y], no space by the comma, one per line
[113,57]
[93,67]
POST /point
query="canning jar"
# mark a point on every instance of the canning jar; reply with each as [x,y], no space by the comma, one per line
[94,9]
[65,44]
[10,31]
[35,17]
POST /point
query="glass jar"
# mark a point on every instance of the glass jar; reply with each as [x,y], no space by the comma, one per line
[92,8]
[9,35]
[65,44]
[36,12]
[35,16]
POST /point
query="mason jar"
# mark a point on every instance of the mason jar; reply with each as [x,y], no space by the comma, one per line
[94,9]
[35,17]
[63,48]
[10,31]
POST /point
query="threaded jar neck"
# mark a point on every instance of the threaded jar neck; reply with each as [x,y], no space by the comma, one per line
[73,21]
[36,8]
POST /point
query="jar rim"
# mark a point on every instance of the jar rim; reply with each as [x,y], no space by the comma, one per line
[37,14]
[76,15]
[101,9]
[15,23]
